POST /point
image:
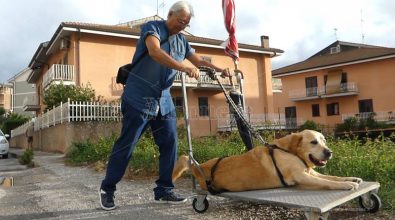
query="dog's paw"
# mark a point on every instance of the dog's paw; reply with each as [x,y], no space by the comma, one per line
[350,185]
[354,179]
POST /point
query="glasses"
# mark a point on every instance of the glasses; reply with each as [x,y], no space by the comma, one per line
[182,22]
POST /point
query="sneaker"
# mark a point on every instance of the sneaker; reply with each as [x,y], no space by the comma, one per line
[106,200]
[171,198]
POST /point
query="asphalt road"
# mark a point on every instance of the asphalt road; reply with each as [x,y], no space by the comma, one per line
[56,191]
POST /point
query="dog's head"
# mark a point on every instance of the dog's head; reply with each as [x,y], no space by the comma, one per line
[308,145]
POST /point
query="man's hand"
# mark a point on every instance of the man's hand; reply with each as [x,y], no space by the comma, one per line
[225,73]
[192,72]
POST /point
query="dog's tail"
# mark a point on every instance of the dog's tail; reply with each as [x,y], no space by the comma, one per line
[181,166]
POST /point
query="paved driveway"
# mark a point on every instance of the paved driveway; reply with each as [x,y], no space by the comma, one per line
[56,191]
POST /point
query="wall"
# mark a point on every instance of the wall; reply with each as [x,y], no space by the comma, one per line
[59,138]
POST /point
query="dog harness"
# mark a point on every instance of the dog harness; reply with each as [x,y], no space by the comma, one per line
[271,148]
[209,183]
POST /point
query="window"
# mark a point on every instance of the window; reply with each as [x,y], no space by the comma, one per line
[344,78]
[332,109]
[65,59]
[343,82]
[315,109]
[203,106]
[311,86]
[178,103]
[365,105]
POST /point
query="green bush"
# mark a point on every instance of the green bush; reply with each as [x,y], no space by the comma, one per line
[311,125]
[353,124]
[13,121]
[89,151]
[2,111]
[27,158]
[58,93]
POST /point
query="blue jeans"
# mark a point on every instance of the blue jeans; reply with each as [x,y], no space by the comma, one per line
[134,123]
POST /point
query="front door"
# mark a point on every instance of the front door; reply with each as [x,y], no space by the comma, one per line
[290,117]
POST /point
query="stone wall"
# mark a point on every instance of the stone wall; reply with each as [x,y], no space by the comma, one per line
[59,138]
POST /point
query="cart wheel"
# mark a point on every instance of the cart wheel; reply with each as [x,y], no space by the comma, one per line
[200,207]
[370,203]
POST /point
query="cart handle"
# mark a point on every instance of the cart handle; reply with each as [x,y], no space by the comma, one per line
[212,73]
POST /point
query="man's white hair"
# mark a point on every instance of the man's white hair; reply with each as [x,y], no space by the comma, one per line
[182,6]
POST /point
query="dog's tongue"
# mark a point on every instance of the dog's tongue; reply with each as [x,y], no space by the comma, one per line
[323,162]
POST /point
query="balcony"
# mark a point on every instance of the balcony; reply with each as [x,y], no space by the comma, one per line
[204,82]
[343,89]
[59,73]
[31,103]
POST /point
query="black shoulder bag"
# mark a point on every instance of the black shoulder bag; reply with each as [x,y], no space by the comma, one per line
[124,71]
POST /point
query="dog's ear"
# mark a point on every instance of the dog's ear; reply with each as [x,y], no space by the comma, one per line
[290,142]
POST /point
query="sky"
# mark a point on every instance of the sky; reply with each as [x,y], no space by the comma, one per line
[300,28]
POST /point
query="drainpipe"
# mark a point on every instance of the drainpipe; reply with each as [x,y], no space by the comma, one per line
[78,78]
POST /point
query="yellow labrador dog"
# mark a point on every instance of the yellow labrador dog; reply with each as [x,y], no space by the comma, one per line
[288,161]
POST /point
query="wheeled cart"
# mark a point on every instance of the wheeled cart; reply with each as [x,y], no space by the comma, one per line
[316,204]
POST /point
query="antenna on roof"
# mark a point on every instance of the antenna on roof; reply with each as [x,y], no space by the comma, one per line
[162,5]
[362,33]
[335,30]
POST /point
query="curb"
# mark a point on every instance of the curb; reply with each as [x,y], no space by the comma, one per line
[13,154]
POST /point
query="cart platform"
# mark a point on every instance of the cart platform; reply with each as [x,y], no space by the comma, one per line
[315,203]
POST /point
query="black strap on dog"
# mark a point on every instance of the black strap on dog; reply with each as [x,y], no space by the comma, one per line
[279,174]
[209,183]
[271,152]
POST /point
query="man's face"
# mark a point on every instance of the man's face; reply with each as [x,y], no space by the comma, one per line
[178,21]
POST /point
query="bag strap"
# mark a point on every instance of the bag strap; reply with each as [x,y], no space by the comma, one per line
[143,54]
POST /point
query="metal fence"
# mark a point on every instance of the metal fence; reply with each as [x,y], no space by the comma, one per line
[73,111]
[260,121]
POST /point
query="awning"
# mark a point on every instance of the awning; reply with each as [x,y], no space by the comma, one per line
[333,81]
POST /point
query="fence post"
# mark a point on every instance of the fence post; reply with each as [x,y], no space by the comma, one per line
[68,110]
[54,115]
[61,112]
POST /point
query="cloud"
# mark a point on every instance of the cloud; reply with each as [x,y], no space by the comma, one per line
[300,28]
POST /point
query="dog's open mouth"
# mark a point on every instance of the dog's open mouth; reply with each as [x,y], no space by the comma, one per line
[317,162]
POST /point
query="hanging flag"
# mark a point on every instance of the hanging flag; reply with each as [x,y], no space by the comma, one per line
[231,46]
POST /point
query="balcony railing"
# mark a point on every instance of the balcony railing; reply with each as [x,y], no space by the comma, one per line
[261,122]
[59,73]
[204,81]
[343,89]
[383,116]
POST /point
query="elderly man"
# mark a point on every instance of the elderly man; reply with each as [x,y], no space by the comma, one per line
[146,100]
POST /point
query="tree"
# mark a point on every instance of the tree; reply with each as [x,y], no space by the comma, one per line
[2,111]
[59,93]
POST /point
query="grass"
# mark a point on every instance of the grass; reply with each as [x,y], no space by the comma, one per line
[371,160]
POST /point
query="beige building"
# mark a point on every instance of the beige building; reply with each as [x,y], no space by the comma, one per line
[81,53]
[6,97]
[342,80]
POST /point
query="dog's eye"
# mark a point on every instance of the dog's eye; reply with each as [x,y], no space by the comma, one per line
[314,142]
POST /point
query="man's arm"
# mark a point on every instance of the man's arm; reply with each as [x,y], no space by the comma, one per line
[160,56]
